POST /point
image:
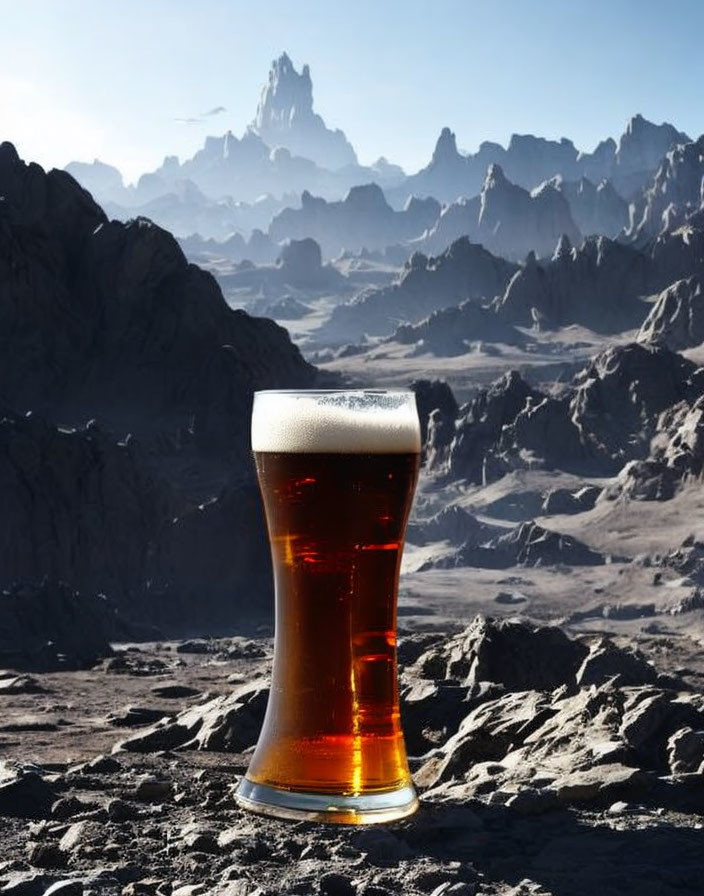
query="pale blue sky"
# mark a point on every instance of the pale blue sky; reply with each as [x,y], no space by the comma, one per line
[86,78]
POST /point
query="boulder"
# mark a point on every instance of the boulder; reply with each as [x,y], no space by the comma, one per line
[677,317]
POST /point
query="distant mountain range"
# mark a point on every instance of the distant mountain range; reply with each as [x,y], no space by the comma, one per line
[291,177]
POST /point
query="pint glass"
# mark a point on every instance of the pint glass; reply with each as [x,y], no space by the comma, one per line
[337,471]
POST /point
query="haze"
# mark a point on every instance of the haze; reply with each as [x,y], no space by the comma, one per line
[80,80]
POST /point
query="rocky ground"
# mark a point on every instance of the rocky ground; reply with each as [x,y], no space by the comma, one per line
[546,764]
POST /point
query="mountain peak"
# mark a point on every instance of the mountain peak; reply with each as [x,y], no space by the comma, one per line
[285,117]
[446,147]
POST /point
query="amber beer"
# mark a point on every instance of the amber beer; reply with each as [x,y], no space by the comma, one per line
[337,471]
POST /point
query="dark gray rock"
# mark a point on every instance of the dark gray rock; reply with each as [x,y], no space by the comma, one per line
[517,655]
[50,626]
[463,271]
[505,218]
[230,722]
[27,795]
[564,500]
[133,336]
[527,545]
[607,662]
[597,285]
[685,751]
[677,317]
[453,331]
[362,220]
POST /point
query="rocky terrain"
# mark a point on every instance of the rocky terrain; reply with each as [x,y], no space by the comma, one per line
[546,764]
[545,305]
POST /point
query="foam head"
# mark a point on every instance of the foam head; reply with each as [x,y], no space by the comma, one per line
[336,422]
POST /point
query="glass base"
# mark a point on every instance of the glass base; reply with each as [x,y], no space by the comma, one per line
[370,808]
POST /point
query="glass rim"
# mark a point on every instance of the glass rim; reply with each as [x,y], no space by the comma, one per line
[352,391]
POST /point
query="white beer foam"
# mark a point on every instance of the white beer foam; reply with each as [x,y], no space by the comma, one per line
[339,423]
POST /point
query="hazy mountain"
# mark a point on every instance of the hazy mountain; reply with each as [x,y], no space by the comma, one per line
[506,219]
[676,191]
[285,117]
[595,209]
[677,318]
[530,160]
[363,219]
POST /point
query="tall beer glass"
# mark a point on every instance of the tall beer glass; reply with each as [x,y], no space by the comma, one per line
[337,471]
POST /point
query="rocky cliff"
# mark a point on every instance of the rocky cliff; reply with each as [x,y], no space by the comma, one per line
[108,322]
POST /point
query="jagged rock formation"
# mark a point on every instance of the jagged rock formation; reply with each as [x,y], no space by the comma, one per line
[507,220]
[677,454]
[595,209]
[453,524]
[259,249]
[597,285]
[531,741]
[641,148]
[527,545]
[616,406]
[677,318]
[564,500]
[131,333]
[363,219]
[298,267]
[529,161]
[453,331]
[433,395]
[285,117]
[463,271]
[108,321]
[676,191]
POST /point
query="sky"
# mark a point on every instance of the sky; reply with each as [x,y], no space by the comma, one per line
[81,79]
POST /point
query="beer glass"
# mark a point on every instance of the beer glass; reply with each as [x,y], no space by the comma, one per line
[337,472]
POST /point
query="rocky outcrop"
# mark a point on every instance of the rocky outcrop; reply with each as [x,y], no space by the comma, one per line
[527,545]
[641,148]
[456,330]
[506,219]
[597,285]
[481,422]
[108,322]
[675,192]
[130,332]
[363,219]
[78,506]
[529,161]
[433,395]
[463,271]
[595,208]
[621,394]
[298,267]
[610,415]
[285,117]
[677,317]
[676,455]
